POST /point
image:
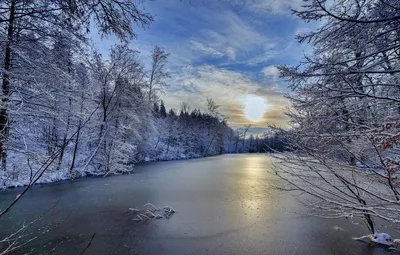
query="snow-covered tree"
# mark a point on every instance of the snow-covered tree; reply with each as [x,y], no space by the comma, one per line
[33,79]
[158,73]
[341,95]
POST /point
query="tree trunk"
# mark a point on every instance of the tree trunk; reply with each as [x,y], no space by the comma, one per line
[76,147]
[64,144]
[77,135]
[208,147]
[104,106]
[6,87]
[236,145]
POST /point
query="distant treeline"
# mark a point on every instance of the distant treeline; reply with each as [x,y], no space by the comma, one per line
[264,143]
[196,134]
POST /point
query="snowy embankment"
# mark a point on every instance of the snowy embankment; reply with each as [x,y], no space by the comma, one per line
[22,177]
[9,180]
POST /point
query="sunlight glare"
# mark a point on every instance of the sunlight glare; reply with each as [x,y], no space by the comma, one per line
[254,107]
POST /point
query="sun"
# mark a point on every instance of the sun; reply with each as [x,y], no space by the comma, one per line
[254,107]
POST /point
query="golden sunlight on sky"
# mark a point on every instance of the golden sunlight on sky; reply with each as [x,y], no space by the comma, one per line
[258,110]
[242,100]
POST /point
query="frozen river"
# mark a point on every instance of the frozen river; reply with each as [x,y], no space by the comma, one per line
[224,205]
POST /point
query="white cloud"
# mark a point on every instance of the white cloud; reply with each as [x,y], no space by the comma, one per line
[270,71]
[222,51]
[215,29]
[226,88]
[234,38]
[231,53]
[277,6]
[268,6]
[235,32]
[206,50]
[244,39]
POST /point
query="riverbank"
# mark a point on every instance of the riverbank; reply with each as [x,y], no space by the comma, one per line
[10,180]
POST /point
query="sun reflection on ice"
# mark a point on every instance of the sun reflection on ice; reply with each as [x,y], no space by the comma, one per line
[254,186]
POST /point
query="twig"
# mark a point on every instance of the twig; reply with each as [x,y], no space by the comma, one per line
[87,246]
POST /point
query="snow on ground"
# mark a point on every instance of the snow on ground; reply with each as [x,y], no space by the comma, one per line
[9,181]
[381,238]
[20,175]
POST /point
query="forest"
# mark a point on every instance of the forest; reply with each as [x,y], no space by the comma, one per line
[68,111]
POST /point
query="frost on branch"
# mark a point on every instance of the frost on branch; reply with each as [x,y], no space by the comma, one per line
[344,134]
[387,138]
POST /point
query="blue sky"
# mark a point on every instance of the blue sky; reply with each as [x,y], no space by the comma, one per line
[225,50]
